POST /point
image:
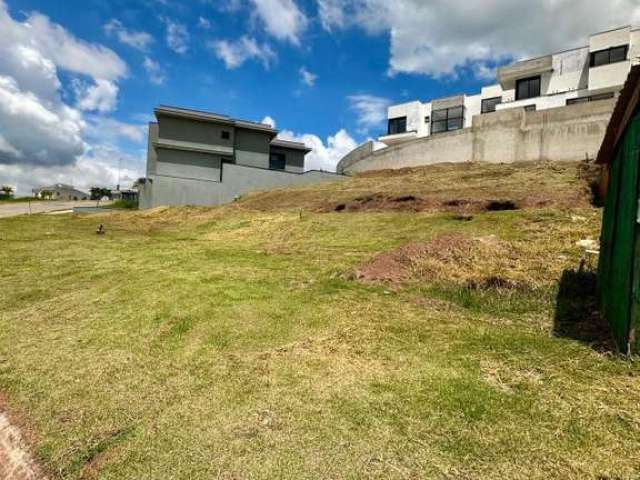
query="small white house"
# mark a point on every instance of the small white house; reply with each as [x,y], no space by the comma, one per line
[59,191]
[590,73]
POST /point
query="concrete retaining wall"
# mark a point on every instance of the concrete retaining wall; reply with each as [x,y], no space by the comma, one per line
[558,134]
[355,156]
[236,180]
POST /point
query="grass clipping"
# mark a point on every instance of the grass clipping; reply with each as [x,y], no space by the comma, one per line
[480,261]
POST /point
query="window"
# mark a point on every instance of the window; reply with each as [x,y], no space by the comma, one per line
[602,96]
[427,120]
[225,135]
[610,55]
[530,108]
[592,98]
[575,101]
[397,125]
[277,161]
[528,88]
[447,119]
[489,104]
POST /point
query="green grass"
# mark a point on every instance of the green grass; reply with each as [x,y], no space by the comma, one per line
[232,343]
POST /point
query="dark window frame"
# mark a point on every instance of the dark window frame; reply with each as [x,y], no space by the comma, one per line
[591,98]
[225,135]
[530,94]
[607,53]
[443,119]
[393,129]
[485,101]
[577,101]
[277,164]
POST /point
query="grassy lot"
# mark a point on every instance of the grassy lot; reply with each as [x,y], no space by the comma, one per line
[237,343]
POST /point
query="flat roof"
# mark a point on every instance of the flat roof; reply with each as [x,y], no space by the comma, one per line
[213,118]
[289,144]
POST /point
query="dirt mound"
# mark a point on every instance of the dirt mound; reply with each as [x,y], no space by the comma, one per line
[446,257]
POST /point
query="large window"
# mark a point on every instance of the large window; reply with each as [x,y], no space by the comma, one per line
[277,161]
[610,55]
[397,125]
[528,88]
[447,119]
[489,104]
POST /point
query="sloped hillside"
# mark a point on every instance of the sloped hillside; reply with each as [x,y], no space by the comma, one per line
[443,187]
[284,337]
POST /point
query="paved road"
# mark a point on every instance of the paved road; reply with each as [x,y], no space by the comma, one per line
[9,209]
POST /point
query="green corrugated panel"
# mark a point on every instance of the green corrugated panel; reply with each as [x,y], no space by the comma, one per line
[606,238]
[618,280]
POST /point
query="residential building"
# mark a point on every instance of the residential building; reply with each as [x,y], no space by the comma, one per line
[59,191]
[580,75]
[201,158]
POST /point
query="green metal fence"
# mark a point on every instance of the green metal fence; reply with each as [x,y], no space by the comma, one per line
[619,265]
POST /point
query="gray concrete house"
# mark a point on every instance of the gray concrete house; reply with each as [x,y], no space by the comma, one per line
[200,158]
[59,191]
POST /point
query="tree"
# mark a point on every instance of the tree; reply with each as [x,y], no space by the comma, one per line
[7,191]
[98,192]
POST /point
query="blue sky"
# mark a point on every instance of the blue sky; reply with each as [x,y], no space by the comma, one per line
[79,79]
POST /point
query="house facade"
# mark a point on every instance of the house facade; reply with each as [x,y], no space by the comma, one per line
[60,191]
[581,75]
[201,158]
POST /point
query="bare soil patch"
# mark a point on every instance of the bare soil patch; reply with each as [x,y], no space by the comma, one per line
[446,257]
[16,463]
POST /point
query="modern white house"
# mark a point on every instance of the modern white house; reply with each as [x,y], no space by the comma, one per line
[580,75]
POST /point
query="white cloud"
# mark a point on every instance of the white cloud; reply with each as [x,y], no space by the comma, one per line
[439,37]
[234,54]
[7,148]
[204,23]
[156,75]
[97,167]
[307,77]
[177,36]
[58,46]
[38,132]
[269,121]
[138,40]
[109,130]
[371,110]
[43,138]
[100,97]
[323,156]
[282,19]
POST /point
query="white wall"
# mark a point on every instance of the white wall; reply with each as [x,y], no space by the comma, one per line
[472,107]
[613,75]
[607,76]
[613,38]
[570,71]
[411,110]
